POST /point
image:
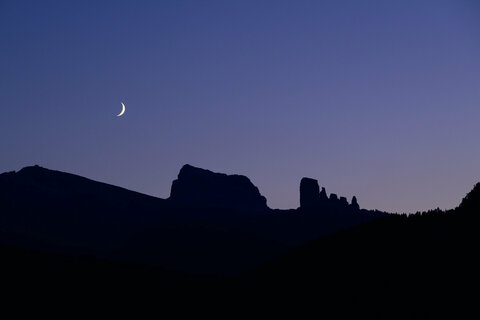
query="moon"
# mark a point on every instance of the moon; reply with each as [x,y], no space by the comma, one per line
[123,110]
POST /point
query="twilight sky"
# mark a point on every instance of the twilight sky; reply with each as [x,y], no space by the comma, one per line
[378,99]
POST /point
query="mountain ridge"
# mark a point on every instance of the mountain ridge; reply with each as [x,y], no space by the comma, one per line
[387,266]
[39,171]
[208,214]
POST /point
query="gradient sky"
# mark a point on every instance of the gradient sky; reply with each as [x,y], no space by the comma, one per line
[378,99]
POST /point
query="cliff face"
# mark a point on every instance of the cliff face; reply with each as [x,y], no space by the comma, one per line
[309,193]
[202,188]
[311,199]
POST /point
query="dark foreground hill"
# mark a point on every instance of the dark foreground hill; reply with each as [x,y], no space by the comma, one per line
[423,266]
[212,223]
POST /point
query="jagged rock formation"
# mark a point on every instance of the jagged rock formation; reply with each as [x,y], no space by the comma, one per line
[202,188]
[313,199]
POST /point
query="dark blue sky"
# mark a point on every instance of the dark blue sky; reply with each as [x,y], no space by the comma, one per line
[378,99]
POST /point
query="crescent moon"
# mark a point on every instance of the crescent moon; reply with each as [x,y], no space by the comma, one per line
[123,110]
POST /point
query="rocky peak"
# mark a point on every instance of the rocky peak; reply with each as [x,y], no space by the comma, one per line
[323,195]
[354,204]
[309,193]
[196,187]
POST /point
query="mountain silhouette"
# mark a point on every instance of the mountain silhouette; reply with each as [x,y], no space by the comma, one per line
[212,223]
[55,210]
[89,239]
